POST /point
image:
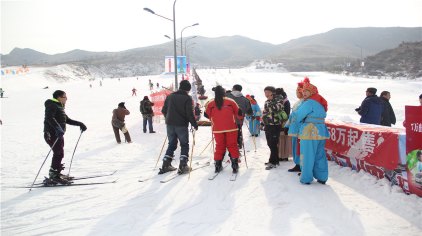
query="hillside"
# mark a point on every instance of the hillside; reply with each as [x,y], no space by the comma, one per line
[321,52]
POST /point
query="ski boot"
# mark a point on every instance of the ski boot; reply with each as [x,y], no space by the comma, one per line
[235,164]
[183,165]
[55,178]
[166,165]
[218,166]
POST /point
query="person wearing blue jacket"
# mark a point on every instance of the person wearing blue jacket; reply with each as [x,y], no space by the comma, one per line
[293,125]
[255,118]
[313,134]
[371,108]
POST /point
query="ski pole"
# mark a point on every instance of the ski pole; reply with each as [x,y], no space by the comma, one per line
[243,145]
[253,132]
[206,146]
[74,150]
[158,158]
[191,153]
[54,144]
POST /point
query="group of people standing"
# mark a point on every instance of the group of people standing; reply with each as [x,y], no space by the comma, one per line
[376,110]
[118,119]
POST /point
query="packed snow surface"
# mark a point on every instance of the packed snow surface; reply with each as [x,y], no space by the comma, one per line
[259,202]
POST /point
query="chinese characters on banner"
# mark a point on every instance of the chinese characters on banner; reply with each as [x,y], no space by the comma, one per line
[413,125]
[373,145]
[158,100]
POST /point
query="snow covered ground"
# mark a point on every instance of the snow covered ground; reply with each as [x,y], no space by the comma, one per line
[260,202]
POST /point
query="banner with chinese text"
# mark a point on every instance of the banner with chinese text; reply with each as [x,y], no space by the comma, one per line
[373,144]
[413,125]
[158,100]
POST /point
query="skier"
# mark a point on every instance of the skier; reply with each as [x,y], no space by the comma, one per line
[147,114]
[271,123]
[55,121]
[223,112]
[118,122]
[158,85]
[244,105]
[1,92]
[313,134]
[134,92]
[255,118]
[178,113]
[292,125]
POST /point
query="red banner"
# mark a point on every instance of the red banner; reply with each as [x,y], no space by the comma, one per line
[413,124]
[374,145]
[158,100]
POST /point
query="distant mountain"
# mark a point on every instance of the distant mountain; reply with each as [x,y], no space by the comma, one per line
[402,61]
[317,52]
[322,51]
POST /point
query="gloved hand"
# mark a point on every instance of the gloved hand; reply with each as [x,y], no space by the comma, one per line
[261,127]
[195,127]
[286,131]
[82,126]
[59,132]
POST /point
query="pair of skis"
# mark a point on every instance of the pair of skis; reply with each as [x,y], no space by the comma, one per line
[167,177]
[41,185]
[233,177]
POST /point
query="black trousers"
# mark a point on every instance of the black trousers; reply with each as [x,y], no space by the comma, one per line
[272,134]
[58,153]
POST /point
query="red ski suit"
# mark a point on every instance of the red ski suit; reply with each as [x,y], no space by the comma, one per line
[224,127]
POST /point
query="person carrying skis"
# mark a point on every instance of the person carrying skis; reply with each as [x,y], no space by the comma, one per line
[118,122]
[222,113]
[55,121]
[147,114]
[178,113]
[313,134]
[255,118]
[271,123]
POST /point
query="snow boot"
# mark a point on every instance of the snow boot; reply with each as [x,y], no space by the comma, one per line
[235,164]
[218,166]
[183,165]
[294,169]
[321,182]
[271,166]
[166,165]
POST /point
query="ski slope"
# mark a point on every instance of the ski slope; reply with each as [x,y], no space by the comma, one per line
[259,202]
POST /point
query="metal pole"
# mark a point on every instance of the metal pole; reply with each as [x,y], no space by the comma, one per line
[51,148]
[71,160]
[176,84]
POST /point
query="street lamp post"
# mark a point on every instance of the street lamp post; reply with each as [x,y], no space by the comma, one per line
[176,84]
[186,42]
[181,37]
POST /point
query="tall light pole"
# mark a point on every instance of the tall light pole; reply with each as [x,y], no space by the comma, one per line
[181,47]
[176,84]
[186,42]
[181,37]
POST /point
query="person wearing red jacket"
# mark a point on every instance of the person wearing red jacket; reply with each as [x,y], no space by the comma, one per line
[222,112]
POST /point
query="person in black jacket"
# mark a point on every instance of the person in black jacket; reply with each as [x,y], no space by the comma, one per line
[147,114]
[371,108]
[244,105]
[388,117]
[178,113]
[55,121]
